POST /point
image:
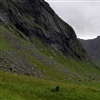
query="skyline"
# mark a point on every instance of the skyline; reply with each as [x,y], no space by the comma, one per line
[83,16]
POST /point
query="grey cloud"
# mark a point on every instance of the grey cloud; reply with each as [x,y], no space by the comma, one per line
[84,17]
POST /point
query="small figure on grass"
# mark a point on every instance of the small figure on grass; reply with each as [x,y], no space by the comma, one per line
[55,89]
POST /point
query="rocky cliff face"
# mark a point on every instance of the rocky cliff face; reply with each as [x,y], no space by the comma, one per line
[36,18]
[92,47]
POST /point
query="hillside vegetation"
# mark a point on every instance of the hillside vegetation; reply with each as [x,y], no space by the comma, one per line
[20,56]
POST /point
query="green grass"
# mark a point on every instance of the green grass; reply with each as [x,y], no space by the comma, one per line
[19,87]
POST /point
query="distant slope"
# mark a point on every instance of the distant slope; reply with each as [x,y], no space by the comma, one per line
[93,48]
[35,41]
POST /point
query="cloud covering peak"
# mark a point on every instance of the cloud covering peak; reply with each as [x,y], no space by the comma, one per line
[84,17]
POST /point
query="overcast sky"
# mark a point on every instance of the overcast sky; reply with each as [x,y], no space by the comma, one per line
[83,16]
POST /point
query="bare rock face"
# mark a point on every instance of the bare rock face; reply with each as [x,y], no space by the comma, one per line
[92,47]
[36,18]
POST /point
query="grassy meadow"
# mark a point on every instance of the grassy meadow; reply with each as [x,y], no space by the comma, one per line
[21,87]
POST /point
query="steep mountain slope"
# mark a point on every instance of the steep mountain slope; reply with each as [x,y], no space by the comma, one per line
[35,41]
[93,48]
[36,18]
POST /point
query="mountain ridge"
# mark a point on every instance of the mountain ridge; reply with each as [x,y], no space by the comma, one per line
[36,42]
[92,47]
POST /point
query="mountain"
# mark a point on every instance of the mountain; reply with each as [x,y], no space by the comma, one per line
[37,19]
[41,57]
[36,42]
[92,47]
